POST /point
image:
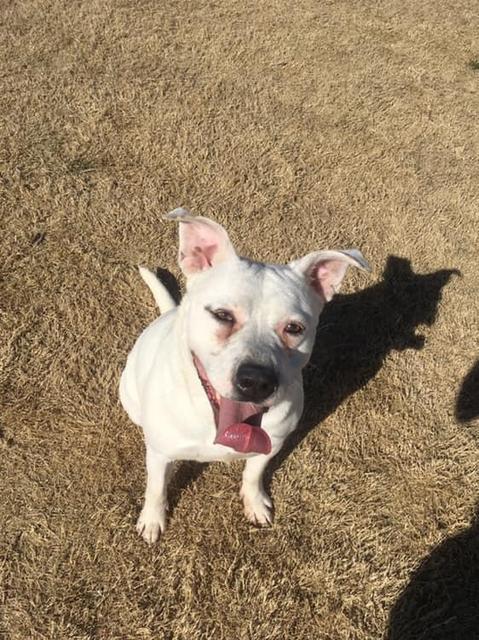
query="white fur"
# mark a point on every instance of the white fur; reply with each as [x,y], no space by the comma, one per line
[160,388]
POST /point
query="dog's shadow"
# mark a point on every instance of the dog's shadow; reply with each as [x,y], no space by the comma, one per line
[441,600]
[355,334]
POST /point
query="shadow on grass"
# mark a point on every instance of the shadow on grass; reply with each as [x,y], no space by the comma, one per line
[185,474]
[170,282]
[441,601]
[467,402]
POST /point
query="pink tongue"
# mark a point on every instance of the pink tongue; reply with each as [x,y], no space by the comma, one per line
[239,427]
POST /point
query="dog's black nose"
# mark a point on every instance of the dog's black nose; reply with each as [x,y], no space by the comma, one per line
[255,382]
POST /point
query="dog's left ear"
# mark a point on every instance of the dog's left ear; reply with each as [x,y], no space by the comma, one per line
[203,243]
[325,270]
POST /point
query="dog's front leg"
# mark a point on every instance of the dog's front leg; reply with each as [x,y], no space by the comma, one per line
[153,515]
[257,503]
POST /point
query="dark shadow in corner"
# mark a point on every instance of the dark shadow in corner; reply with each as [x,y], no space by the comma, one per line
[441,601]
[467,402]
[356,332]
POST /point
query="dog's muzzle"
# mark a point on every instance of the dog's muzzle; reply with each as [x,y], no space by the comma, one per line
[238,424]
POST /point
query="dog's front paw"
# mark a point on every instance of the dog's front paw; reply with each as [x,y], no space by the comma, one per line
[258,508]
[150,524]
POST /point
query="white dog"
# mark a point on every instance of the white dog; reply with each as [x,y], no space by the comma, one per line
[219,376]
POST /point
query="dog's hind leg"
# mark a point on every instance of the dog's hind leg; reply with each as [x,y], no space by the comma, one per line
[152,518]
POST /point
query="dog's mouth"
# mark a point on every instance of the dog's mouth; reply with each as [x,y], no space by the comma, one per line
[238,424]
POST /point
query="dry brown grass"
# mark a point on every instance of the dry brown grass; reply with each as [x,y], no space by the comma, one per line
[299,125]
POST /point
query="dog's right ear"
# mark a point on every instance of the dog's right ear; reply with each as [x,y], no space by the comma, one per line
[203,243]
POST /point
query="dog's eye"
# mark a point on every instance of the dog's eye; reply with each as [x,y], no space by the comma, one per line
[294,328]
[222,316]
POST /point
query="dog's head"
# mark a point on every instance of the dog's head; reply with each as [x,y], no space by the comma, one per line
[252,325]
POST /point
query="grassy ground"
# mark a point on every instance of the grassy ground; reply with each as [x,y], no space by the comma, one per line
[298,125]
